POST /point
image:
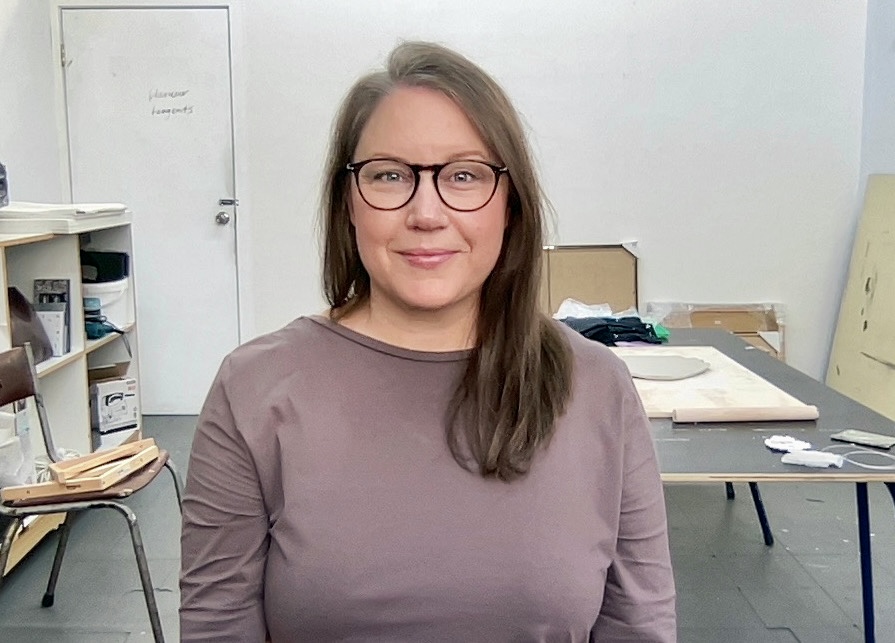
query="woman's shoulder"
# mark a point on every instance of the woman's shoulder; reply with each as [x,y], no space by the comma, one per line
[591,358]
[588,350]
[297,341]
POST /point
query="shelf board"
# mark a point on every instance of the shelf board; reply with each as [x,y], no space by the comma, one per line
[36,225]
[93,344]
[7,240]
[117,438]
[55,363]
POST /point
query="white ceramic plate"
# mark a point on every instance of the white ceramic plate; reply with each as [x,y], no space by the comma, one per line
[664,367]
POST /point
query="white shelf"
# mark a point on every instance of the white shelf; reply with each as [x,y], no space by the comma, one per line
[109,440]
[12,225]
[55,363]
[7,240]
[54,253]
[93,344]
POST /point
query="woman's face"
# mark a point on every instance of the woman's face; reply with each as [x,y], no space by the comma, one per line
[426,256]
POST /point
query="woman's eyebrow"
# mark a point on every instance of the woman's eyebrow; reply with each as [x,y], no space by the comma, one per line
[471,155]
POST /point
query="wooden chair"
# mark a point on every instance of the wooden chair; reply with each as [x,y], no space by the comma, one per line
[18,381]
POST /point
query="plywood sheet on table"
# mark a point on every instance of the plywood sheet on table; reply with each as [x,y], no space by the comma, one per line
[862,362]
[728,391]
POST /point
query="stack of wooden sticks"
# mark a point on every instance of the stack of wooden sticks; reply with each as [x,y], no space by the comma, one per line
[90,473]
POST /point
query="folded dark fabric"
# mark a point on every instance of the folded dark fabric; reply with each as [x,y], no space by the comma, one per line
[610,330]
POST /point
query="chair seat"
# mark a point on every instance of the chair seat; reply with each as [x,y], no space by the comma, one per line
[122,489]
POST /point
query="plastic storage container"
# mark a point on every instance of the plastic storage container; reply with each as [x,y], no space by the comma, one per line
[114,301]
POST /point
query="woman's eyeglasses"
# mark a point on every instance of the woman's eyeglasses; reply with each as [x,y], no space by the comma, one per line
[387,184]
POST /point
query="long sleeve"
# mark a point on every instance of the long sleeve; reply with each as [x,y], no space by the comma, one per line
[639,598]
[224,541]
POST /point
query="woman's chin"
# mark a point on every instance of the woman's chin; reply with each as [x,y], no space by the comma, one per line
[431,302]
[428,305]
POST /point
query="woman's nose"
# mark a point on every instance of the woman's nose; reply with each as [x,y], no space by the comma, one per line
[426,210]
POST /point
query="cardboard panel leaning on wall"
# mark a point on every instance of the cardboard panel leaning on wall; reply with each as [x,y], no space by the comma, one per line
[862,362]
[596,274]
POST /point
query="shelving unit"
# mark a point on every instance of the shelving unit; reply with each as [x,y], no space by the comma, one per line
[63,380]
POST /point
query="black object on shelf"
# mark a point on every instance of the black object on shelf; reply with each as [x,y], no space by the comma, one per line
[101,266]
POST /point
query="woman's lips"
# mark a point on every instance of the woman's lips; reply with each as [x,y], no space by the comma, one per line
[427,258]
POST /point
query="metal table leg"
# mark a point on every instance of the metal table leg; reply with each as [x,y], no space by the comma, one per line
[866,559]
[762,515]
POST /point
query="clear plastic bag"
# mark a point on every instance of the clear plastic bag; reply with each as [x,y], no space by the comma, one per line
[16,452]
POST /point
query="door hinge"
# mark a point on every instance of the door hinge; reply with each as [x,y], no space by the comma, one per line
[62,54]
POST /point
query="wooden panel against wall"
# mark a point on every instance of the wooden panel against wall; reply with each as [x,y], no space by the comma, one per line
[591,274]
[862,362]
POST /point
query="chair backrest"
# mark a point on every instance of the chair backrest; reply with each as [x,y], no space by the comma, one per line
[18,381]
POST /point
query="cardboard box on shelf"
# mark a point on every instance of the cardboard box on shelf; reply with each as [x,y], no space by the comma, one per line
[114,403]
[772,345]
[107,371]
[760,325]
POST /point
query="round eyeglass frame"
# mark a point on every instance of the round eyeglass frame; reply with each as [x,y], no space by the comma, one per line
[436,169]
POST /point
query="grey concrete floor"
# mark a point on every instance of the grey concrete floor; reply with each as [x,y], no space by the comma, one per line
[731,587]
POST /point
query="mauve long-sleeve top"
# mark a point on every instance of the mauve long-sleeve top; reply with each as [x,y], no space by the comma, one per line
[323,504]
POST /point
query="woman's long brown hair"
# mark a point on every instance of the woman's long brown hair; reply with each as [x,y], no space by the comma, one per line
[518,378]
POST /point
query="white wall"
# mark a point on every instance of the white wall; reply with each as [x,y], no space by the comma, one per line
[878,141]
[878,122]
[724,137]
[28,140]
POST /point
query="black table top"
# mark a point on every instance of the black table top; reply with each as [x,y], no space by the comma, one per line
[732,451]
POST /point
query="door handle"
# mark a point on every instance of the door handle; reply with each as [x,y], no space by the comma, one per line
[222,218]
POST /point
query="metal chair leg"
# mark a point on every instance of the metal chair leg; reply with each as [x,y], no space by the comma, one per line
[143,567]
[762,516]
[178,483]
[731,494]
[6,545]
[50,594]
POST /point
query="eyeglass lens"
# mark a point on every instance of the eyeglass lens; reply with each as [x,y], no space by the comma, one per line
[462,185]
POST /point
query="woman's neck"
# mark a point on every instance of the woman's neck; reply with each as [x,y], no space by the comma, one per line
[443,330]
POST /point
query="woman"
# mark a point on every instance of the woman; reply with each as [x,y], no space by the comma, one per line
[433,459]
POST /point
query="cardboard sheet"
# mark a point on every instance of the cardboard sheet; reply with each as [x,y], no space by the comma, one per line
[597,274]
[727,392]
[862,362]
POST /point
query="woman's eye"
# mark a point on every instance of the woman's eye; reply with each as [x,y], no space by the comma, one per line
[463,176]
[388,176]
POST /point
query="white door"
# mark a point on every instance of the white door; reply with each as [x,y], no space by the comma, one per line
[148,99]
